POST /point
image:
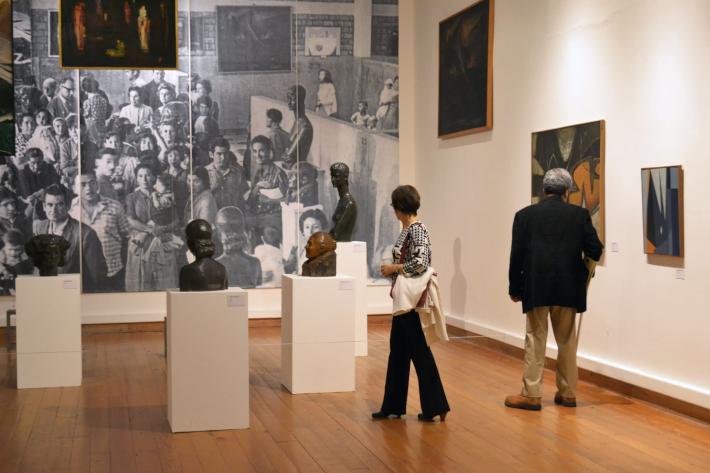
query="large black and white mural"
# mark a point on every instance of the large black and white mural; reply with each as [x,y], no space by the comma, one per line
[267,95]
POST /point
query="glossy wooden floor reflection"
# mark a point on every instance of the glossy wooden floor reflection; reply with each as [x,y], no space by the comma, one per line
[116,421]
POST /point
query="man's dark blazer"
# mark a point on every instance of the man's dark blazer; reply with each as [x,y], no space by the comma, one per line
[93,263]
[550,240]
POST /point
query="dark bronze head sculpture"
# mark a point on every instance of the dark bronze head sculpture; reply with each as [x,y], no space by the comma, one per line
[320,251]
[204,274]
[48,253]
[345,214]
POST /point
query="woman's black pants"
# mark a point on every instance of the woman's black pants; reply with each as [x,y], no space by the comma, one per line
[407,343]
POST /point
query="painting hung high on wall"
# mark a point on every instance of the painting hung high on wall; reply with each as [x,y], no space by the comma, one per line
[103,34]
[662,199]
[465,71]
[254,39]
[580,150]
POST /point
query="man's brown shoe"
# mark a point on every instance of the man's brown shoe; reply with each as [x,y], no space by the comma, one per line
[565,401]
[524,402]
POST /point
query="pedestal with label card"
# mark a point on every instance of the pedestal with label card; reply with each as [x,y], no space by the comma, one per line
[317,332]
[352,261]
[48,331]
[208,360]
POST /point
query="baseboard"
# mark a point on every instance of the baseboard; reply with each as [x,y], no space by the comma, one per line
[677,396]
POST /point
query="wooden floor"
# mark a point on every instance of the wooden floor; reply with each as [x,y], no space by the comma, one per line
[116,421]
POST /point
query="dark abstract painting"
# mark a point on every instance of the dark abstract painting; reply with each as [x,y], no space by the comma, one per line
[118,34]
[580,150]
[254,39]
[662,197]
[465,71]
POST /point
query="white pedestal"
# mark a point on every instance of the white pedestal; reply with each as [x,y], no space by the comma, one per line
[317,332]
[208,360]
[48,331]
[352,261]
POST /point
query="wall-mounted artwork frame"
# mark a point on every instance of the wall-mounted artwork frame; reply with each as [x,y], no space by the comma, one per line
[254,39]
[662,203]
[580,149]
[322,41]
[112,35]
[466,71]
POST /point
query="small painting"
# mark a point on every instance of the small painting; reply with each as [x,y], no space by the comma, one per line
[662,199]
[322,41]
[580,150]
[254,39]
[103,34]
[466,71]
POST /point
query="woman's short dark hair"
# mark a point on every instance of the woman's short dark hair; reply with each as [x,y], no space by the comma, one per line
[313,213]
[406,199]
[203,175]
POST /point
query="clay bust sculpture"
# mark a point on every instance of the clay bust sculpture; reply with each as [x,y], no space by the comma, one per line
[320,251]
[204,274]
[346,212]
[48,252]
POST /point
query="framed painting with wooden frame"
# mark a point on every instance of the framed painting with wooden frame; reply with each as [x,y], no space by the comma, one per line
[118,35]
[662,200]
[580,150]
[466,71]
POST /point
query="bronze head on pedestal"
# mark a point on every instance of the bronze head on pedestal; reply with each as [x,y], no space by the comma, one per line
[320,251]
[204,274]
[48,253]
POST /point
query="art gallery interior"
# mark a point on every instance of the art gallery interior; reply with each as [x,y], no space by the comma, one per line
[282,372]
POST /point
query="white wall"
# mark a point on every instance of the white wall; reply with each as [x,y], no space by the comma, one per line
[641,65]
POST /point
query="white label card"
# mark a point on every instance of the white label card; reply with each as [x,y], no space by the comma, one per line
[238,300]
[69,284]
[345,285]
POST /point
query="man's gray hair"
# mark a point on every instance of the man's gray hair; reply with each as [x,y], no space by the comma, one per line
[556,181]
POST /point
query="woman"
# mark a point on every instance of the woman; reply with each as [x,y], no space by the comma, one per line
[412,256]
[327,100]
[152,248]
[23,134]
[203,204]
[203,88]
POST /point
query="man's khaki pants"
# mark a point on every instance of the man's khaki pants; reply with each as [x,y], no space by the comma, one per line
[563,326]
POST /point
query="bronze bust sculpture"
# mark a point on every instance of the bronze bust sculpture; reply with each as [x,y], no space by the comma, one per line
[345,214]
[48,252]
[320,251]
[204,274]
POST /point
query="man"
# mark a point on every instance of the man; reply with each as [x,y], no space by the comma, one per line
[63,104]
[301,136]
[140,115]
[36,176]
[150,90]
[58,222]
[547,273]
[108,219]
[49,89]
[270,184]
[280,139]
[104,167]
[228,182]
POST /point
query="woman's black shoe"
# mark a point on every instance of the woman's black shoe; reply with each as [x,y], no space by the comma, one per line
[385,415]
[424,418]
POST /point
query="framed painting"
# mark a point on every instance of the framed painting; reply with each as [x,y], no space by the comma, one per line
[580,150]
[254,39]
[322,41]
[662,200]
[466,71]
[103,34]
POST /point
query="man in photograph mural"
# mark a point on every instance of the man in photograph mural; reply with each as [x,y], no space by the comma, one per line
[199,162]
